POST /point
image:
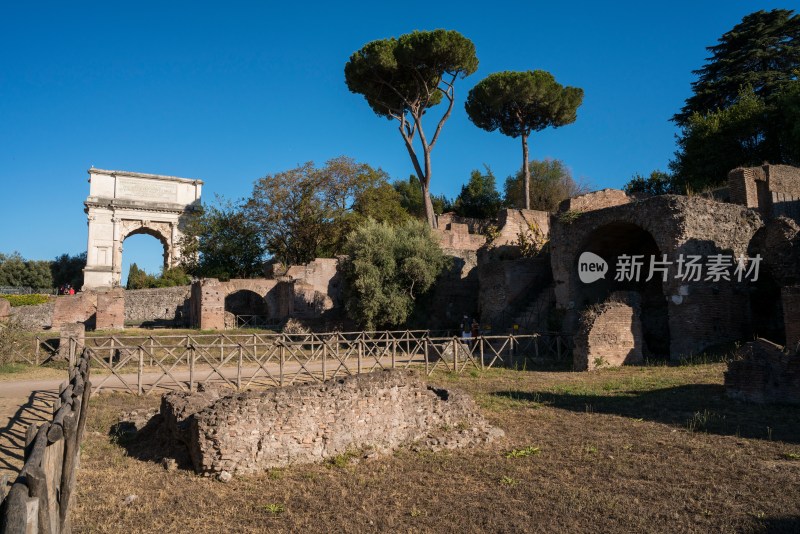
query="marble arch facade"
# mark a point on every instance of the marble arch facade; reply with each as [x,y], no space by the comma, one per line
[121,204]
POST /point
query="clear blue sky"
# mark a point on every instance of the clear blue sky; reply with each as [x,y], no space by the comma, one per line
[230,91]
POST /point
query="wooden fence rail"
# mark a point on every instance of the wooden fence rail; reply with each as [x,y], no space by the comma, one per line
[254,360]
[39,499]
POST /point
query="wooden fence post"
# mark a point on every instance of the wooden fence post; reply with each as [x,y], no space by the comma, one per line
[140,371]
[482,341]
[324,360]
[360,352]
[282,356]
[239,370]
[456,350]
[191,366]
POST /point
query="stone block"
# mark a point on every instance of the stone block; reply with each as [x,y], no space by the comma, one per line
[5,310]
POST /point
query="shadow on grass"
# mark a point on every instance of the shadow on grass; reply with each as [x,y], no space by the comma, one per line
[151,443]
[694,407]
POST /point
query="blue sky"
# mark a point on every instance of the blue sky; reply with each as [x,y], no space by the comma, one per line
[228,92]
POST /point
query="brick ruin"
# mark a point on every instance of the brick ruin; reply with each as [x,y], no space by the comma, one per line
[492,280]
[679,318]
[250,432]
[610,333]
[763,372]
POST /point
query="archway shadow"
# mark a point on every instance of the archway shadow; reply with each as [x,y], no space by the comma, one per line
[695,407]
[36,410]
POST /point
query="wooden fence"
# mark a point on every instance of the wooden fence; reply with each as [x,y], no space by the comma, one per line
[39,499]
[142,365]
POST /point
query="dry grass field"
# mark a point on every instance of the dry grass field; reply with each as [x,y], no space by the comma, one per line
[638,449]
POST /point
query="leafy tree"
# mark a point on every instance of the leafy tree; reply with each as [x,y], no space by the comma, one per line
[15,271]
[761,52]
[479,198]
[66,269]
[303,213]
[743,102]
[786,117]
[551,182]
[381,203]
[387,269]
[713,144]
[658,183]
[412,201]
[222,242]
[518,103]
[138,278]
[403,78]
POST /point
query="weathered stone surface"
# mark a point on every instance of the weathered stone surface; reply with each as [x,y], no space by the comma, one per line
[177,407]
[596,200]
[253,431]
[5,309]
[38,317]
[78,308]
[110,310]
[163,305]
[609,334]
[761,372]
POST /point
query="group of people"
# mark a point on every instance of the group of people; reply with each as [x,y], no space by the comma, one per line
[66,289]
[470,328]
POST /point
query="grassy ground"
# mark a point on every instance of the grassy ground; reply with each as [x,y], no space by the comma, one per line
[638,449]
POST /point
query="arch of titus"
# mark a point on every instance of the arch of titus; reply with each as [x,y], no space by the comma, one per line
[121,204]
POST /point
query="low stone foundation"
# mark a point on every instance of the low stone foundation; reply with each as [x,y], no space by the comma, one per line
[763,373]
[609,334]
[253,431]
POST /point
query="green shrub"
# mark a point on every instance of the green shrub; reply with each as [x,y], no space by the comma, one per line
[26,300]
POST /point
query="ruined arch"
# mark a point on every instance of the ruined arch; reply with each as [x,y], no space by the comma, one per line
[610,241]
[121,204]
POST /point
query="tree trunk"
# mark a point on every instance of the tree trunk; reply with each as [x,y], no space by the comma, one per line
[426,185]
[526,171]
[430,215]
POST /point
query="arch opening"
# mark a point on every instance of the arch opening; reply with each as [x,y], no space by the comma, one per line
[610,242]
[246,308]
[143,251]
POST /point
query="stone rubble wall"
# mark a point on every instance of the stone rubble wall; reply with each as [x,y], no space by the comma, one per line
[38,317]
[164,304]
[253,431]
[110,310]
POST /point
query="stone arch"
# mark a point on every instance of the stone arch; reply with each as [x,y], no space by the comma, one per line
[246,302]
[610,241]
[701,314]
[132,228]
[122,204]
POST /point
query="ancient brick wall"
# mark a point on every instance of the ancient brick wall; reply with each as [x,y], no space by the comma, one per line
[207,307]
[772,190]
[78,308]
[163,306]
[609,334]
[5,309]
[254,431]
[790,296]
[700,314]
[512,222]
[506,286]
[605,198]
[456,291]
[110,310]
[317,287]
